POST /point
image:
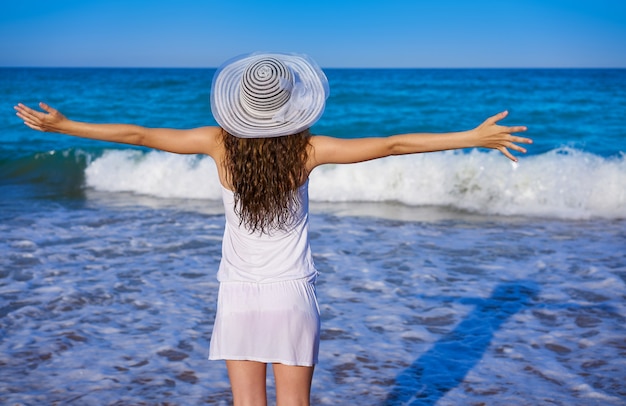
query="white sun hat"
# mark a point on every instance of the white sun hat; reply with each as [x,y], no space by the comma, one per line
[264,95]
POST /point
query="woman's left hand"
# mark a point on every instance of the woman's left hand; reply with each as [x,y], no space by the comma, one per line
[50,121]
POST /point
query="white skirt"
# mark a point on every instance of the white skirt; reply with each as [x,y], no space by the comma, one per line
[267,322]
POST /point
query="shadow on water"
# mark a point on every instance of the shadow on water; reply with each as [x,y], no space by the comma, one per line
[446,364]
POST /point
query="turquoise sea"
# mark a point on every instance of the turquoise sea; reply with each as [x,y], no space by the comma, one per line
[446,278]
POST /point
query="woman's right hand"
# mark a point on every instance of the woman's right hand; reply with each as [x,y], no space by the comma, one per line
[51,120]
[491,135]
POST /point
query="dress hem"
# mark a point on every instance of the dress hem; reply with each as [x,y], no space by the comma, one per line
[263,360]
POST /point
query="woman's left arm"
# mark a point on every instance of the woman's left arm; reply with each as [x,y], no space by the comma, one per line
[201,140]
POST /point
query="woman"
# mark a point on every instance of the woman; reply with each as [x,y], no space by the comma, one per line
[265,104]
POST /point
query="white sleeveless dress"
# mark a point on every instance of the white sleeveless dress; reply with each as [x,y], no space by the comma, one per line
[267,310]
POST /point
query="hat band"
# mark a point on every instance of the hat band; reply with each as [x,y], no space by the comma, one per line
[299,101]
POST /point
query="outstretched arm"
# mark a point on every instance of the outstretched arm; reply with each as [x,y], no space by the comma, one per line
[489,134]
[195,141]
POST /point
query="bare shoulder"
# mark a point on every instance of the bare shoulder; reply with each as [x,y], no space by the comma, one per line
[209,133]
[212,137]
[320,143]
[331,150]
[201,140]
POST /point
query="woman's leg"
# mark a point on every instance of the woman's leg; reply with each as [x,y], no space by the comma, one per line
[293,384]
[247,380]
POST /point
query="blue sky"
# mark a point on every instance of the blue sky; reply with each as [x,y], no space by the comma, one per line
[351,33]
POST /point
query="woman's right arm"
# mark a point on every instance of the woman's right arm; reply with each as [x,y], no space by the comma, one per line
[203,140]
[329,150]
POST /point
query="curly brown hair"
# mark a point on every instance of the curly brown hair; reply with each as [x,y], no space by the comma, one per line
[265,174]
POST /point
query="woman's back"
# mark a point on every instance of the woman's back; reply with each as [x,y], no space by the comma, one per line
[269,256]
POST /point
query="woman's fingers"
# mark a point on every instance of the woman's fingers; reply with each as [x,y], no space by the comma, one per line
[501,137]
[516,129]
[29,119]
[22,108]
[47,108]
[33,126]
[507,154]
[21,113]
[494,119]
[521,140]
[32,118]
[25,113]
[516,147]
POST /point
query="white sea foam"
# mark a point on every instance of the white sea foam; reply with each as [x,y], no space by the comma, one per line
[563,183]
[154,173]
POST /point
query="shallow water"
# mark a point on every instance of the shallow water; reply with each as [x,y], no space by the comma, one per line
[447,279]
[110,301]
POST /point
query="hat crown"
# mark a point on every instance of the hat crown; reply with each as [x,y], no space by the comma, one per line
[265,87]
